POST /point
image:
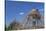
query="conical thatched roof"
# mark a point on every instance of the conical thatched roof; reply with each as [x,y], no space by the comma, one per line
[29,22]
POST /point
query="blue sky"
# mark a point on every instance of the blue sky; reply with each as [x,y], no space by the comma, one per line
[18,10]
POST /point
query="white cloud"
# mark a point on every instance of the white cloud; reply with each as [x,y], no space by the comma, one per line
[21,13]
